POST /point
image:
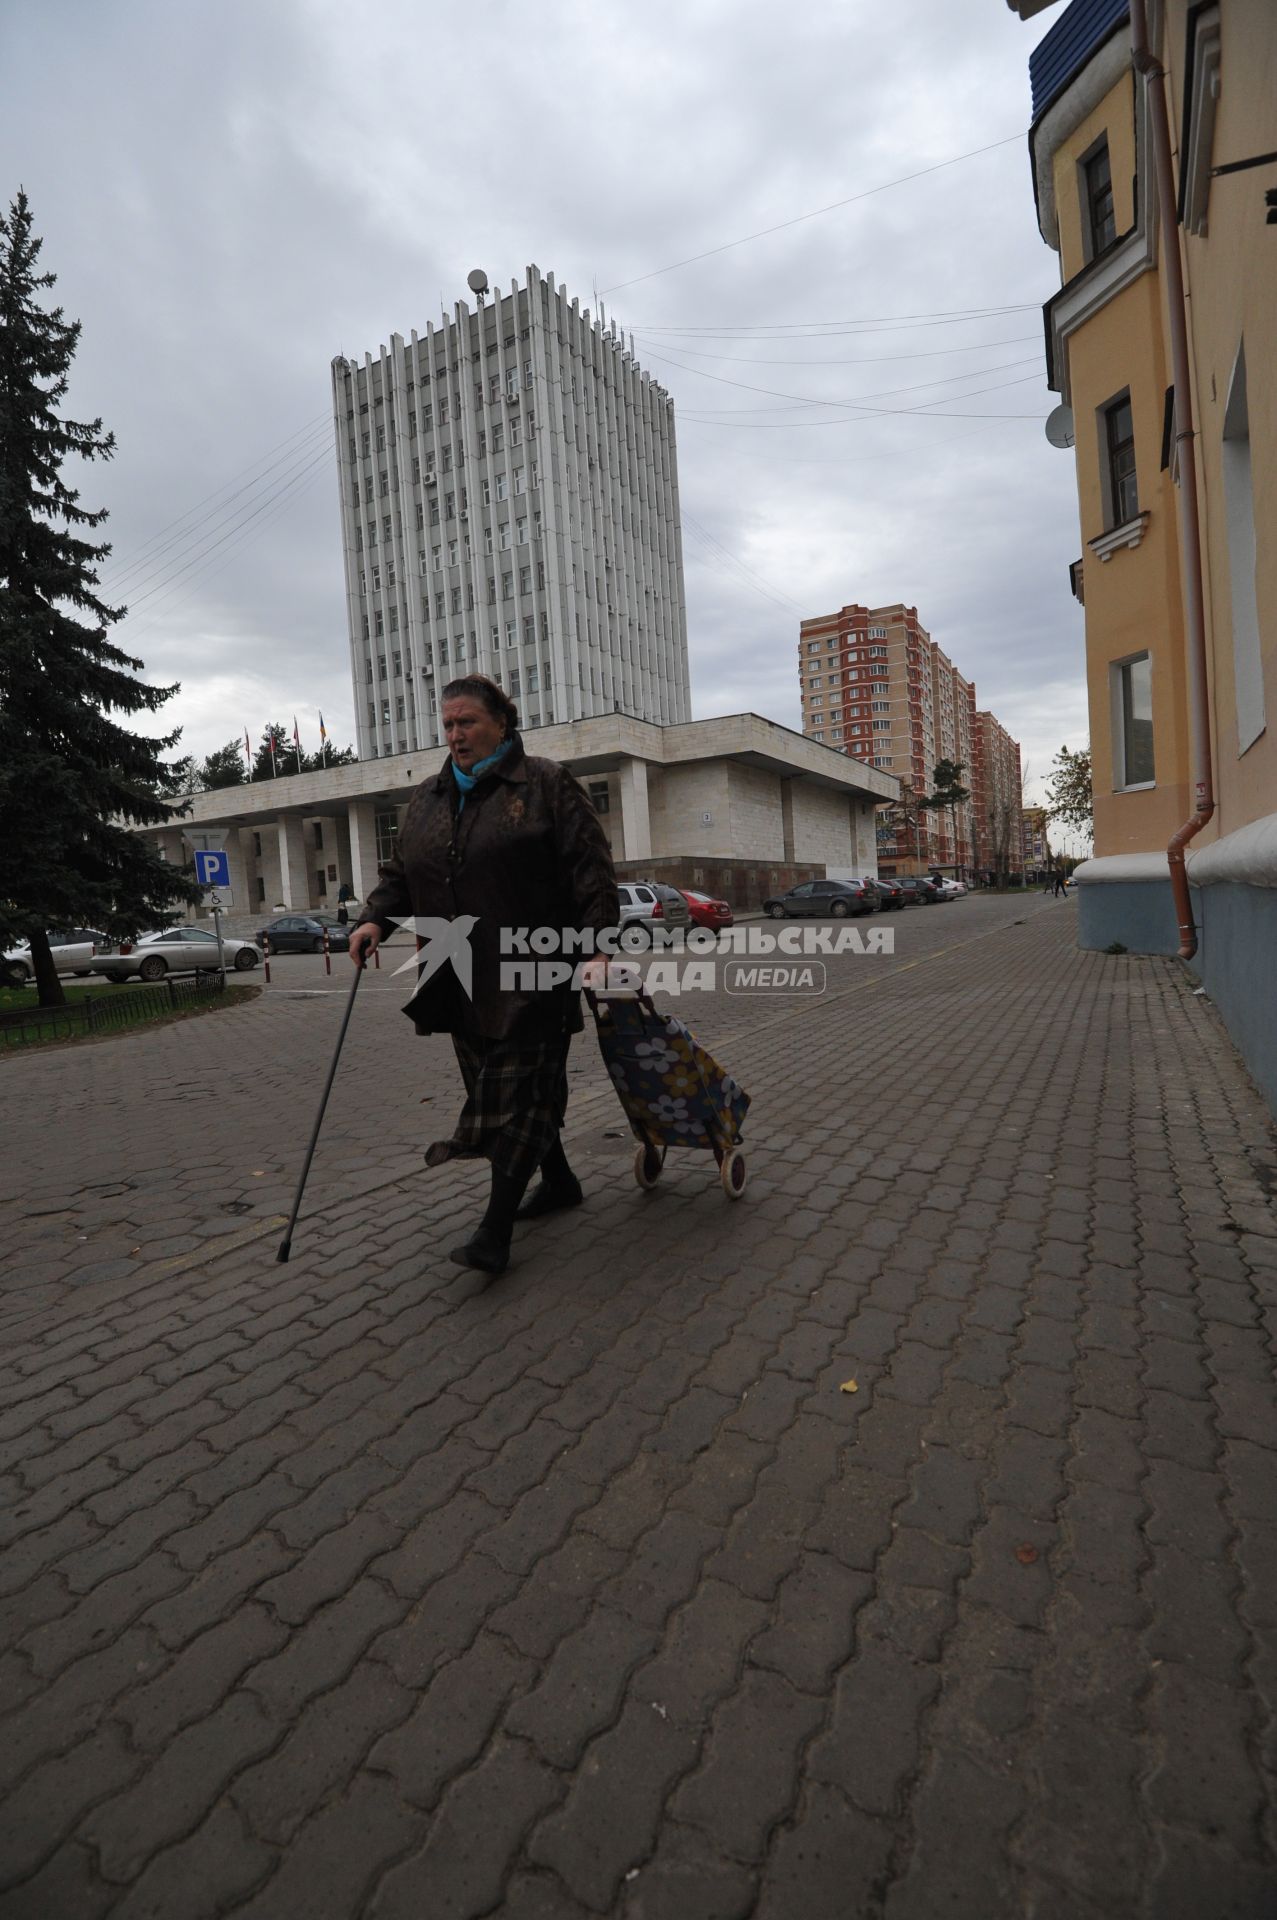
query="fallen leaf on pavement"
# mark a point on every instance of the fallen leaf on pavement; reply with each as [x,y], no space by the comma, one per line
[849,1386]
[1026,1555]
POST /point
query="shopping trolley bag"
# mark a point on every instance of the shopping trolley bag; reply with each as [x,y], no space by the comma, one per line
[675,1094]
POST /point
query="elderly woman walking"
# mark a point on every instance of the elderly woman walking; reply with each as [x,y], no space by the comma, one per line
[508,841]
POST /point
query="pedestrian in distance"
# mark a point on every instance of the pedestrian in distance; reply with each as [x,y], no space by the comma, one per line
[345,894]
[501,840]
[1061,884]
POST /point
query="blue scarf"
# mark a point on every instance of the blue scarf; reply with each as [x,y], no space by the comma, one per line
[466,782]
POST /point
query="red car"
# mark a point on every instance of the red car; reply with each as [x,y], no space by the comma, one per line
[706,912]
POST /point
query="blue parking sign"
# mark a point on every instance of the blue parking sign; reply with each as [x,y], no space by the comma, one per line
[213,869]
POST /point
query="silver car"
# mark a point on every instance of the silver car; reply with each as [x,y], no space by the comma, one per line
[179,950]
[645,903]
[74,950]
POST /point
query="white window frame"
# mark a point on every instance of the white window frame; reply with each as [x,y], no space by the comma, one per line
[1117,723]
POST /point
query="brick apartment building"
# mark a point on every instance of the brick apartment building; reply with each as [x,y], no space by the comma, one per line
[1037,840]
[998,800]
[876,686]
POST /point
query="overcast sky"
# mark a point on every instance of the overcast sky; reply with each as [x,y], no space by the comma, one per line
[232,193]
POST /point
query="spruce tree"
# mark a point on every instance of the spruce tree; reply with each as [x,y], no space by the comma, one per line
[71,779]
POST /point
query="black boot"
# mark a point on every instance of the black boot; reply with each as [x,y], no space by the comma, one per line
[488,1247]
[559,1187]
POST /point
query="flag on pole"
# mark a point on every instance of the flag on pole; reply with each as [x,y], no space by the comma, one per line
[248,748]
[323,740]
[297,742]
[270,738]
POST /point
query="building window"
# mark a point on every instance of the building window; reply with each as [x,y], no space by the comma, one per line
[1133,723]
[386,827]
[1097,188]
[1119,442]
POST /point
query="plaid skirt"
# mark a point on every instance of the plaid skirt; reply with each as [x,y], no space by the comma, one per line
[516,1100]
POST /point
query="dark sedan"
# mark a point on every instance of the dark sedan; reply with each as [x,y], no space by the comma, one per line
[918,893]
[304,933]
[889,894]
[834,899]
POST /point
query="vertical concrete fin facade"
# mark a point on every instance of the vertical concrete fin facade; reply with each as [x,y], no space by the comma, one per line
[509,503]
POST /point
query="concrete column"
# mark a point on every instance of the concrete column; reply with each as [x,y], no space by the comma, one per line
[787,819]
[363,847]
[636,825]
[341,841]
[268,864]
[864,838]
[323,857]
[242,891]
[294,856]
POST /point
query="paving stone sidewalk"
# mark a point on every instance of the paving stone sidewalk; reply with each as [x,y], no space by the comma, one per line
[354,1588]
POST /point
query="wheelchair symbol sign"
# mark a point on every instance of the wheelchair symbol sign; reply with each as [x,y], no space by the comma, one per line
[213,869]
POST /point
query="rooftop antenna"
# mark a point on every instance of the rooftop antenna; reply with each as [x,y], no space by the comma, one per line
[477,281]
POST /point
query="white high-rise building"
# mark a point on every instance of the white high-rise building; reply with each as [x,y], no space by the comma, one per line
[509,492]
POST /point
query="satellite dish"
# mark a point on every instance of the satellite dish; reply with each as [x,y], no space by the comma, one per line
[477,281]
[1059,427]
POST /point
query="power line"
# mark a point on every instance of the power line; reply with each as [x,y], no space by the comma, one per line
[803,399]
[887,393]
[176,549]
[815,214]
[286,485]
[153,618]
[938,316]
[751,579]
[122,568]
[870,360]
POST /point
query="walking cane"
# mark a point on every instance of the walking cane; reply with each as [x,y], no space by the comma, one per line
[286,1244]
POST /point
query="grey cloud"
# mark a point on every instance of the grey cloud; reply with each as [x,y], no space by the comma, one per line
[232,195]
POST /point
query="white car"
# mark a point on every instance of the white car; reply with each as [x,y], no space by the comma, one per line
[179,950]
[74,950]
[950,889]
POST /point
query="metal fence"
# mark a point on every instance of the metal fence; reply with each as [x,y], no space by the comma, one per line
[109,1012]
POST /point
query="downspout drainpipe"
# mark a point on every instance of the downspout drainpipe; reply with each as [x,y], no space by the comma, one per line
[1189,527]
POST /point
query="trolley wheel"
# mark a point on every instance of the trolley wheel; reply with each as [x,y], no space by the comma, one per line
[648,1162]
[733,1173]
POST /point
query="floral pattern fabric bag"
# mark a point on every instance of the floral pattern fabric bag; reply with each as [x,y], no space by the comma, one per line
[674,1093]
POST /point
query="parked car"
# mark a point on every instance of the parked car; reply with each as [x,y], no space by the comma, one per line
[648,902]
[706,911]
[304,933]
[919,892]
[827,898]
[949,889]
[888,894]
[177,950]
[74,950]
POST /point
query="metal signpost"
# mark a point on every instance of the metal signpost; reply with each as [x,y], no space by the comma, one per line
[213,870]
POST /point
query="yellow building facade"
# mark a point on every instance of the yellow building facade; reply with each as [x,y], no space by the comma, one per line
[1103,186]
